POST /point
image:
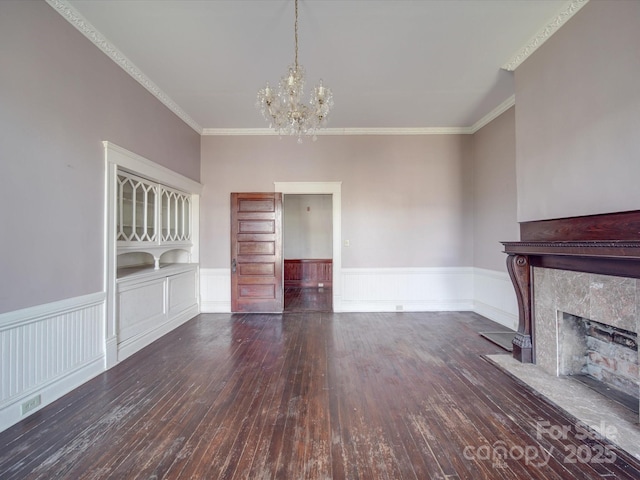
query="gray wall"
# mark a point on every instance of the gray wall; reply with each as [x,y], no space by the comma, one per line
[308,226]
[494,191]
[578,116]
[59,98]
[406,200]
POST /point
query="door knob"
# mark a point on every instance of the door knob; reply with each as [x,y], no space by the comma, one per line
[233,266]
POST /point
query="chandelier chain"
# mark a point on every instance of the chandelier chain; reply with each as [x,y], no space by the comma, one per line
[296,34]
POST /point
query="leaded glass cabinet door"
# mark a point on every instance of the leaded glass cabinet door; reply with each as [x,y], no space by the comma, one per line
[136,213]
[176,216]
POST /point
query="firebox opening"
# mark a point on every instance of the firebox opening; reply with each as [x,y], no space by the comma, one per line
[603,357]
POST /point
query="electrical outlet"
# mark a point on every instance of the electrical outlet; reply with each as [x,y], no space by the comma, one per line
[31,404]
[399,308]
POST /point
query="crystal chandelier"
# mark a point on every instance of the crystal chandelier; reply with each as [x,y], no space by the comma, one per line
[284,109]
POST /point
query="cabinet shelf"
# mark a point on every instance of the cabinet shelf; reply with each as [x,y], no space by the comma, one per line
[148,272]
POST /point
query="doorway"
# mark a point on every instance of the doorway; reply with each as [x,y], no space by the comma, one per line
[335,190]
[308,252]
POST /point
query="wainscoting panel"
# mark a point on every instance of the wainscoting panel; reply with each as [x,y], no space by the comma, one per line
[140,307]
[308,273]
[154,303]
[215,290]
[182,292]
[486,292]
[407,289]
[494,297]
[47,351]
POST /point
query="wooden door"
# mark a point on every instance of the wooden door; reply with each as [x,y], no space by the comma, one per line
[256,253]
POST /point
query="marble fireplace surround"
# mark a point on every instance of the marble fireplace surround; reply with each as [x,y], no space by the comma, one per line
[604,299]
[607,245]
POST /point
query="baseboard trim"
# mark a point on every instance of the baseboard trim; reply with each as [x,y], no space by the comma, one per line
[505,319]
[215,290]
[50,350]
[407,306]
[215,307]
[494,297]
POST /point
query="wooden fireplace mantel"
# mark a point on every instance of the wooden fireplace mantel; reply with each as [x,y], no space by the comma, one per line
[607,244]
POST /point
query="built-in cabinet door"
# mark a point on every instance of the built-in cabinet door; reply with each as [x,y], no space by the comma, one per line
[256,252]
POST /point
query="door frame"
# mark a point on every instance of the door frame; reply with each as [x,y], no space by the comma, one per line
[335,190]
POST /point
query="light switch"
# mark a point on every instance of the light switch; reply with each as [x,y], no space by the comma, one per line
[347,243]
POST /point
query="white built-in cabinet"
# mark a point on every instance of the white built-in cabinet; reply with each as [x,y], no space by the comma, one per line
[152,251]
[153,219]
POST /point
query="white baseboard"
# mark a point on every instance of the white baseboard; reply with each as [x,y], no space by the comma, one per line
[495,297]
[52,349]
[408,306]
[215,290]
[406,289]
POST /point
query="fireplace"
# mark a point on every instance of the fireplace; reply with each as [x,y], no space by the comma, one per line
[603,353]
[587,268]
[586,326]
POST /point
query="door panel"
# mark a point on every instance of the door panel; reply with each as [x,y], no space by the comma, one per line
[256,226]
[256,252]
[256,248]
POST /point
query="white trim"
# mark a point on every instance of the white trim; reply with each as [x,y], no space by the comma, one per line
[50,350]
[494,297]
[324,188]
[495,113]
[407,289]
[566,12]
[76,19]
[215,290]
[135,344]
[343,131]
[39,312]
[50,392]
[114,154]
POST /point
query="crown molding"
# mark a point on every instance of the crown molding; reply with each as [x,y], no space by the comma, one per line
[74,17]
[567,11]
[88,30]
[343,131]
[493,114]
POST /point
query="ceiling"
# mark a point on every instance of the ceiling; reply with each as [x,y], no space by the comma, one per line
[414,64]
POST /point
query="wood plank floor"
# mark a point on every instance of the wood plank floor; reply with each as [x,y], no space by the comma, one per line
[309,396]
[308,299]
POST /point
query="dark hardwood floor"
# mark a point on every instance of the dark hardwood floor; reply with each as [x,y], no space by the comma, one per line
[309,396]
[308,299]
